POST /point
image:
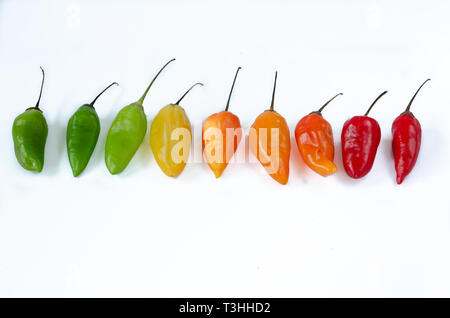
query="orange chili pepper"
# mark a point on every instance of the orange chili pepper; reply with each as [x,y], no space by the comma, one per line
[315,142]
[221,136]
[270,142]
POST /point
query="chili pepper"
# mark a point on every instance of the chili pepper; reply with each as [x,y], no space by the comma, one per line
[126,133]
[406,139]
[270,142]
[221,136]
[360,139]
[315,142]
[82,135]
[29,132]
[169,126]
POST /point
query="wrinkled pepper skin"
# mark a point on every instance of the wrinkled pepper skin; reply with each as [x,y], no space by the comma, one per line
[261,145]
[83,130]
[315,143]
[127,132]
[406,140]
[29,133]
[124,137]
[360,138]
[218,153]
[223,121]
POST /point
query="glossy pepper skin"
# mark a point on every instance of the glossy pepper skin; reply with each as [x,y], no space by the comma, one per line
[126,133]
[82,134]
[217,146]
[29,132]
[406,139]
[315,143]
[170,138]
[360,139]
[261,143]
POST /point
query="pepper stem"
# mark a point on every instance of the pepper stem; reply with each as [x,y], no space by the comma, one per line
[42,85]
[232,87]
[273,93]
[95,99]
[324,105]
[181,98]
[376,100]
[410,102]
[141,100]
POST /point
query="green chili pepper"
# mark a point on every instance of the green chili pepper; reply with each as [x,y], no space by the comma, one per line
[82,135]
[126,133]
[29,134]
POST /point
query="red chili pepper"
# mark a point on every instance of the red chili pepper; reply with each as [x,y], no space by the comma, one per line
[360,139]
[406,138]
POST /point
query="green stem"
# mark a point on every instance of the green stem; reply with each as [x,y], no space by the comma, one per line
[273,93]
[42,85]
[181,98]
[410,102]
[232,87]
[367,112]
[95,99]
[141,100]
[324,105]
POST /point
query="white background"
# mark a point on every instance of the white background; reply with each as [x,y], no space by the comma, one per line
[143,234]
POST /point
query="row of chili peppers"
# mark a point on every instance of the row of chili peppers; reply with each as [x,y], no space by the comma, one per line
[360,138]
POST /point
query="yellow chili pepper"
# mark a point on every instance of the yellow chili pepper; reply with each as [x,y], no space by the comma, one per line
[170,137]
